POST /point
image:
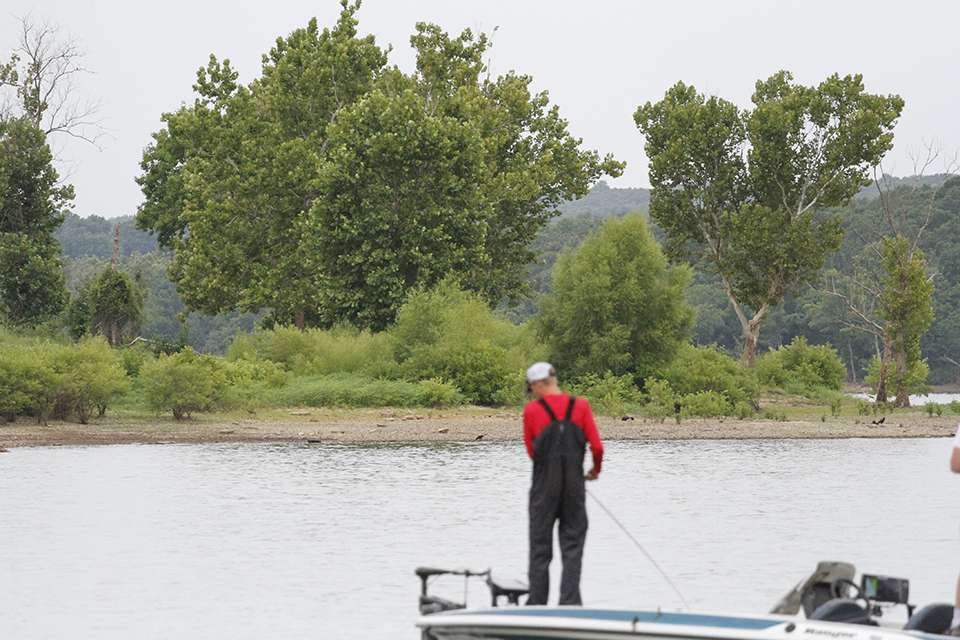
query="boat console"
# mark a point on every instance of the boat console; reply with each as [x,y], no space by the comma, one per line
[831,594]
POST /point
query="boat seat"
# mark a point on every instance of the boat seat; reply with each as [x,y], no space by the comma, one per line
[843,610]
[933,618]
[510,589]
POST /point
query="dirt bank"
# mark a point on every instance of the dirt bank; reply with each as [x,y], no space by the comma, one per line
[371,426]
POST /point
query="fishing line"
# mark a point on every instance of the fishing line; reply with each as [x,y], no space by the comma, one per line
[642,550]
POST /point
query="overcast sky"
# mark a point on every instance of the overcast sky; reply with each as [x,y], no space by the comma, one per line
[599,59]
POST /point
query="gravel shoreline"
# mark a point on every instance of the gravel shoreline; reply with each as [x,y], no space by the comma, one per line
[386,426]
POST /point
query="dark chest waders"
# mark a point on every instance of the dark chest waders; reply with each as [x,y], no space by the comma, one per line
[557,494]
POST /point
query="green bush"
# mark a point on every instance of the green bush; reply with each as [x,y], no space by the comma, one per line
[134,356]
[705,404]
[89,376]
[46,379]
[183,383]
[27,383]
[450,334]
[916,382]
[617,304]
[608,394]
[351,390]
[318,351]
[801,368]
[836,406]
[955,407]
[660,399]
[696,369]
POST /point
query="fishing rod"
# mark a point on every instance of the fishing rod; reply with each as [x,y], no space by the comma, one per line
[641,548]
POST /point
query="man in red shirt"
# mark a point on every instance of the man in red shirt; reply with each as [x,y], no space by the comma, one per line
[556,428]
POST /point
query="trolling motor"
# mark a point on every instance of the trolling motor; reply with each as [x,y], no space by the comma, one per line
[511,590]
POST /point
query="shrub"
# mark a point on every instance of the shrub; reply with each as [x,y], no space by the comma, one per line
[608,394]
[350,390]
[801,368]
[916,382]
[696,369]
[27,383]
[183,383]
[661,400]
[89,376]
[778,415]
[243,373]
[836,406]
[45,379]
[617,305]
[955,406]
[705,404]
[133,358]
[318,351]
[450,334]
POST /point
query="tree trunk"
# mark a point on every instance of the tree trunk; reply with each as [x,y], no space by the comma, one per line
[751,336]
[749,326]
[902,391]
[882,381]
[300,320]
[853,365]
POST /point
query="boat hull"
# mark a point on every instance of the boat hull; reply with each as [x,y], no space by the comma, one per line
[575,623]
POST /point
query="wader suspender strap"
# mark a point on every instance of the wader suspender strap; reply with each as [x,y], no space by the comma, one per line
[549,411]
[553,416]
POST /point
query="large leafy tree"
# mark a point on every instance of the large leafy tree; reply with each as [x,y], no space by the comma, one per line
[617,305]
[331,186]
[32,205]
[229,182]
[745,191]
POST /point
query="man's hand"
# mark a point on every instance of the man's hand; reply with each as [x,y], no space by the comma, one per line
[593,474]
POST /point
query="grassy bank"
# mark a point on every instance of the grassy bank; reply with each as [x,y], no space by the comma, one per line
[466,424]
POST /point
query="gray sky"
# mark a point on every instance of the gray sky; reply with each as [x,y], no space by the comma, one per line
[599,60]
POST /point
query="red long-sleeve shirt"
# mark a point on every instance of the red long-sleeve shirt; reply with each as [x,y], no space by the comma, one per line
[535,419]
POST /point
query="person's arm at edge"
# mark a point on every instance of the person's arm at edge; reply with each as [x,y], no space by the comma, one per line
[593,437]
[528,429]
[955,456]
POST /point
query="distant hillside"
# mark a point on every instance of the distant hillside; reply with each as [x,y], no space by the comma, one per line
[889,183]
[605,201]
[93,237]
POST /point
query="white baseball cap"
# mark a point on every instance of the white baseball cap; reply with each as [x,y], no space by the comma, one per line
[540,371]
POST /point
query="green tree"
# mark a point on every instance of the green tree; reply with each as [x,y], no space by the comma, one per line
[229,181]
[906,306]
[331,186]
[32,203]
[616,305]
[115,303]
[744,191]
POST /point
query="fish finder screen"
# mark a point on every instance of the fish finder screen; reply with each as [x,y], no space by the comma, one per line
[886,589]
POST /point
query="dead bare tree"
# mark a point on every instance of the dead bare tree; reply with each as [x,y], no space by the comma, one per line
[40,83]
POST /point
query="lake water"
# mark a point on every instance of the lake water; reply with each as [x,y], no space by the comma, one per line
[291,541]
[917,401]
